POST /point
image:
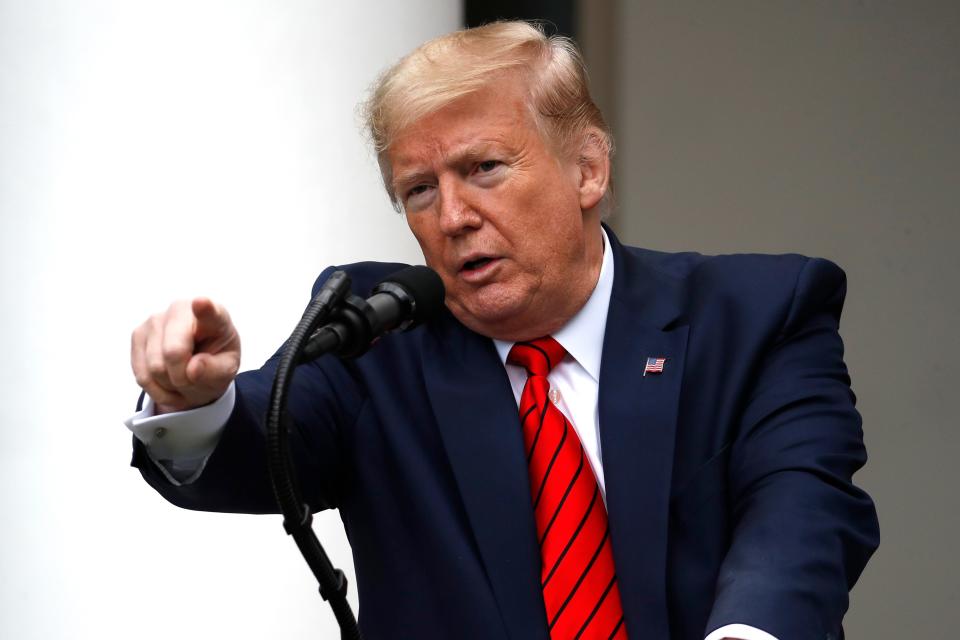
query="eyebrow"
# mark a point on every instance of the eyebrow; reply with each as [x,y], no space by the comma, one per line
[405,180]
[468,153]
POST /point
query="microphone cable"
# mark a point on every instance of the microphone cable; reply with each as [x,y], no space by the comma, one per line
[337,322]
[297,518]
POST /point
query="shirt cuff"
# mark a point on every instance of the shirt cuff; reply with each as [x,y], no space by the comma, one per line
[180,442]
[740,632]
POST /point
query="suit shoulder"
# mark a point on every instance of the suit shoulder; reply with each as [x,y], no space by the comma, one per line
[777,290]
[742,272]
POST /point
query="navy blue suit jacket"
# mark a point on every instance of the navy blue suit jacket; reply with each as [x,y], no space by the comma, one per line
[728,475]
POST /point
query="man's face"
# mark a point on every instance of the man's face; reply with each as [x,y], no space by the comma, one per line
[498,215]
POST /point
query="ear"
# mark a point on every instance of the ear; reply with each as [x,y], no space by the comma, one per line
[594,165]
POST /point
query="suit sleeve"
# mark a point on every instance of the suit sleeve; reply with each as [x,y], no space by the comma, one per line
[802,531]
[325,397]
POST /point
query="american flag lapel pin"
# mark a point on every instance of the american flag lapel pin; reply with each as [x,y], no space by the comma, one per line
[654,366]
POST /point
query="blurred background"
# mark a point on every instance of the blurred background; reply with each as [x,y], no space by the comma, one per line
[158,150]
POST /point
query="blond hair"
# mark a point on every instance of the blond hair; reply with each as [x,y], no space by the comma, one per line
[450,67]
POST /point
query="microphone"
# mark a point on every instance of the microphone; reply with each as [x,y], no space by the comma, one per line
[399,302]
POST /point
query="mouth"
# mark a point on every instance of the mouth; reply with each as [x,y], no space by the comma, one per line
[478,268]
[478,263]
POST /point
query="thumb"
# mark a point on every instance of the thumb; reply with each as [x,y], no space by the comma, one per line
[213,371]
[196,368]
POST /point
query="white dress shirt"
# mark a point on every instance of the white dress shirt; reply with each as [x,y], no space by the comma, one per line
[180,443]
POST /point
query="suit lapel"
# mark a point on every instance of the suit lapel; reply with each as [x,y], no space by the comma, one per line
[477,416]
[638,416]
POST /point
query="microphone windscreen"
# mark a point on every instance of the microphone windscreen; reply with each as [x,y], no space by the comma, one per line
[424,287]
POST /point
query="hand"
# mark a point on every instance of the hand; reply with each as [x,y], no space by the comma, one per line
[187,356]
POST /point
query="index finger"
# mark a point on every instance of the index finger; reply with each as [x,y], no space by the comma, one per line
[212,320]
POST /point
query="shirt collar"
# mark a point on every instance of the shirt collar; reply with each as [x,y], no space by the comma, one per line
[582,336]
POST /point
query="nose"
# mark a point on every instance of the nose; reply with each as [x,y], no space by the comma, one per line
[457,212]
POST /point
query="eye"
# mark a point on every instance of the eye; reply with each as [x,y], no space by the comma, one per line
[417,190]
[487,166]
[417,197]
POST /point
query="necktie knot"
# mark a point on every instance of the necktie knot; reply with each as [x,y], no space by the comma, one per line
[538,356]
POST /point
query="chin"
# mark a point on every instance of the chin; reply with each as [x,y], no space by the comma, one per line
[492,320]
[499,304]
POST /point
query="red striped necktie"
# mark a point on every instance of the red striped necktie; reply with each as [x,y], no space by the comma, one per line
[578,577]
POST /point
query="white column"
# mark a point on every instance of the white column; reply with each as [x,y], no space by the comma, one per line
[150,151]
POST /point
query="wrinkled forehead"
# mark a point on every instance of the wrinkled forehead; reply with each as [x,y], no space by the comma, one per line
[499,113]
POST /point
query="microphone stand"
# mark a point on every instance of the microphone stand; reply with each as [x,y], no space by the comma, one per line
[334,296]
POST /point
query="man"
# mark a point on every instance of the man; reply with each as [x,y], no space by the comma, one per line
[680,465]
